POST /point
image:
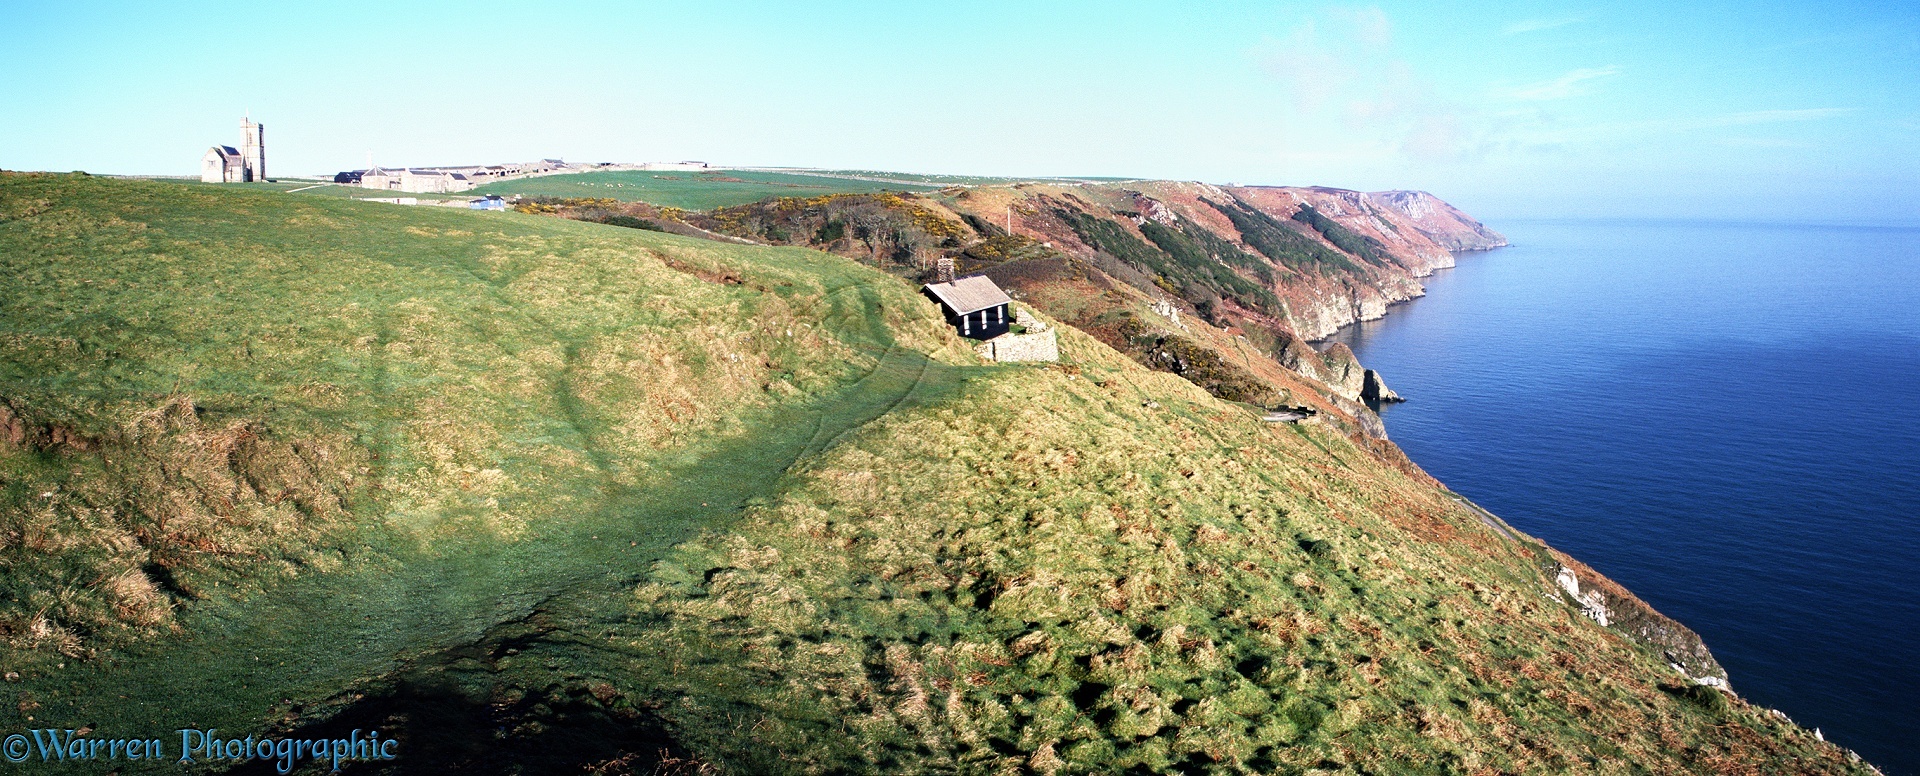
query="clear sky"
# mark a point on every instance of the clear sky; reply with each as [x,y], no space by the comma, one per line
[1729,110]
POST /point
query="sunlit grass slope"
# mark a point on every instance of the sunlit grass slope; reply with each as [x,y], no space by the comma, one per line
[322,189]
[535,496]
[213,393]
[1047,576]
[692,190]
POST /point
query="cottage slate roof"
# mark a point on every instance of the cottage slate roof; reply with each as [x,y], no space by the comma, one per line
[970,294]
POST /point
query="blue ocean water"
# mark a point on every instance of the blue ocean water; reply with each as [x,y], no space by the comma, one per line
[1723,417]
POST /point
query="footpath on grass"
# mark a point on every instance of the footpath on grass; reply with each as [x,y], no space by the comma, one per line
[250,667]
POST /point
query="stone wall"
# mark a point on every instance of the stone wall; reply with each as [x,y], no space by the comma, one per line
[1043,346]
[1038,344]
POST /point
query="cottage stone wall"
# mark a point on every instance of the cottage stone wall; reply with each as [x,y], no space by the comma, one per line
[1044,346]
[1038,344]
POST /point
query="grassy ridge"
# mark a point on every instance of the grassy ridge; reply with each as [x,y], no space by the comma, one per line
[1367,248]
[691,190]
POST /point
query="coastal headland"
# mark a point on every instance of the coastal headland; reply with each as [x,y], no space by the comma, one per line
[617,486]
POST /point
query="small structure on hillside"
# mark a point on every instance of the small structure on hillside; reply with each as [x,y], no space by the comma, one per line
[981,311]
[226,164]
[1286,414]
[413,180]
[974,305]
[488,202]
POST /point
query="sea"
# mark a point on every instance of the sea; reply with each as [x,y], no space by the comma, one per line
[1724,417]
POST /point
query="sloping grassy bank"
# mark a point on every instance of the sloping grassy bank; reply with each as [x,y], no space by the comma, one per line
[1048,575]
[606,500]
[513,405]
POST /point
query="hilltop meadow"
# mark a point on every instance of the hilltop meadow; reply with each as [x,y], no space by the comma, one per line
[694,189]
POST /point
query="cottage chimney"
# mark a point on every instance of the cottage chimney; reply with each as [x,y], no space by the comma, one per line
[943,270]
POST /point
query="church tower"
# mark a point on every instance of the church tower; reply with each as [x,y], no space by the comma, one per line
[253,149]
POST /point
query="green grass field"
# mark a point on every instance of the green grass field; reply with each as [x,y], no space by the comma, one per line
[690,190]
[534,495]
[330,190]
[543,403]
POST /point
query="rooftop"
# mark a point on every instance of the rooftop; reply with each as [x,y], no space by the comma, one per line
[969,294]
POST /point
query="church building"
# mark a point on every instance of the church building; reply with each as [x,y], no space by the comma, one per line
[224,164]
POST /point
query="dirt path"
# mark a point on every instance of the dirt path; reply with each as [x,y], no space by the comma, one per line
[1499,526]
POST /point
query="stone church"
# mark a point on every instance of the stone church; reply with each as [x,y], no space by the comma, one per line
[223,164]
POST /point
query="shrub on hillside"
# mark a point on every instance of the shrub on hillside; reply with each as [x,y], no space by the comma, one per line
[1279,242]
[1345,239]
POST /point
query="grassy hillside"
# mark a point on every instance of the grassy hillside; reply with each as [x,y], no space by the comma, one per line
[335,190]
[242,409]
[537,495]
[692,190]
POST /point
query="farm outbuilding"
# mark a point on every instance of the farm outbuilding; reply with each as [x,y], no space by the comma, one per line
[974,305]
[413,180]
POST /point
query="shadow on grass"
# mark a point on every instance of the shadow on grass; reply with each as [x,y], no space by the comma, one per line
[441,725]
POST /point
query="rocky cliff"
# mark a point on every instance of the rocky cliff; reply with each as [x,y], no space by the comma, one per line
[1215,283]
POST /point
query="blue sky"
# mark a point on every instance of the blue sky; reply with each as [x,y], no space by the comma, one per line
[1728,110]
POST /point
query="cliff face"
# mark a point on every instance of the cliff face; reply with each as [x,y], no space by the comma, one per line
[1439,221]
[1302,260]
[1164,270]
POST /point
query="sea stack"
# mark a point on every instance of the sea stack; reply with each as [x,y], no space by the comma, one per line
[1375,390]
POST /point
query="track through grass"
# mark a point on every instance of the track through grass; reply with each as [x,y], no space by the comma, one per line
[242,661]
[418,581]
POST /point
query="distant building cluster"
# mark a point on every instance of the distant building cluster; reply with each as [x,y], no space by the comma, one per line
[442,180]
[248,163]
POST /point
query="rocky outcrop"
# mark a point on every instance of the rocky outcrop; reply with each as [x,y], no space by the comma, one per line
[1336,366]
[1199,364]
[1439,221]
[1604,601]
[1375,390]
[1342,372]
[1368,421]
